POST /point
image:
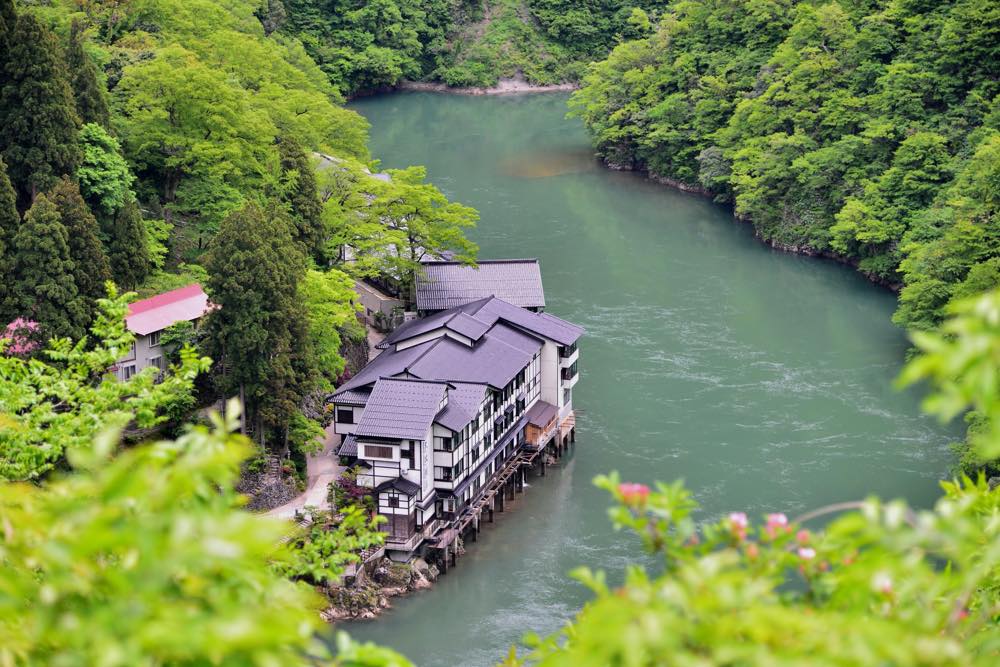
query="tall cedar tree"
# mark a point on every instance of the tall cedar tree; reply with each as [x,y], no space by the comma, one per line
[302,196]
[128,247]
[90,264]
[41,281]
[38,121]
[9,222]
[8,17]
[91,102]
[257,333]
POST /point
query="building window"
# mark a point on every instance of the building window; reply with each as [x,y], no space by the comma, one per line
[406,455]
[156,362]
[442,474]
[128,371]
[345,415]
[154,339]
[443,444]
[378,452]
[394,501]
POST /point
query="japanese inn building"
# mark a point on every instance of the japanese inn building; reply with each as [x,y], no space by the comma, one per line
[459,402]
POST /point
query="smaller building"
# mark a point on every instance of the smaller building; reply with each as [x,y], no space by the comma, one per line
[444,285]
[149,317]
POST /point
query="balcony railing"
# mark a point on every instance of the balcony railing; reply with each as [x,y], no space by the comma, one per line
[570,372]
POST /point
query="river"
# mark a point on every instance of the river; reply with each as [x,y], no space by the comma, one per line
[762,379]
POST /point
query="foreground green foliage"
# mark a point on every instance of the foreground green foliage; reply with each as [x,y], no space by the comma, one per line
[62,400]
[868,130]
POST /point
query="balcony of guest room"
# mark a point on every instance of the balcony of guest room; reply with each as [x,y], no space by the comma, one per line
[568,355]
[569,375]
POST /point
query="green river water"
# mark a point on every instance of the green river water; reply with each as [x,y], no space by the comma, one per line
[762,379]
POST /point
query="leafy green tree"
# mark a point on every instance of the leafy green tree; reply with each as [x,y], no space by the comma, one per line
[425,223]
[41,286]
[9,223]
[61,401]
[329,299]
[259,333]
[91,270]
[91,99]
[300,193]
[38,121]
[128,247]
[104,175]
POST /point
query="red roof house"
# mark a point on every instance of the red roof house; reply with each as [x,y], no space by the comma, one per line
[159,312]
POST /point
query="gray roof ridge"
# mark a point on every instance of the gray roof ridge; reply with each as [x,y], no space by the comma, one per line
[424,353]
[423,380]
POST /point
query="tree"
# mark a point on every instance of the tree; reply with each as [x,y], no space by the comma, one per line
[300,192]
[258,332]
[41,283]
[329,299]
[91,102]
[9,223]
[38,121]
[60,401]
[105,178]
[128,249]
[90,264]
[428,224]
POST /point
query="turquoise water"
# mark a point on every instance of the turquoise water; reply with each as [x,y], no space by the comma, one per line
[762,379]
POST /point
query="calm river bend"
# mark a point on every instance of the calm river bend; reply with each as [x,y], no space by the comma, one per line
[762,379]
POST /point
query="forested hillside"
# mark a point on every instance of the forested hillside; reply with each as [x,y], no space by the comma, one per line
[156,143]
[865,129]
[364,46]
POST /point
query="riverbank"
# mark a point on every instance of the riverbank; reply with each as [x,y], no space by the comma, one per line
[792,249]
[511,86]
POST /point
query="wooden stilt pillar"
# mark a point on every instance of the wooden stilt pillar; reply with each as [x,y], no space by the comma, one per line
[500,498]
[572,435]
[444,562]
[454,556]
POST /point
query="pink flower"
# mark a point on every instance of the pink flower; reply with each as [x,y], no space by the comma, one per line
[633,494]
[775,522]
[802,537]
[807,553]
[752,551]
[23,337]
[738,524]
[882,583]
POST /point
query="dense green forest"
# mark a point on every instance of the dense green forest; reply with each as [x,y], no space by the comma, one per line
[861,129]
[155,143]
[364,46]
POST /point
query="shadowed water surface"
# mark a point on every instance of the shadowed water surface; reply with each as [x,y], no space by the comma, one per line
[762,379]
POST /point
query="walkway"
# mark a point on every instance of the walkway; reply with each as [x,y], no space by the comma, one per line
[321,469]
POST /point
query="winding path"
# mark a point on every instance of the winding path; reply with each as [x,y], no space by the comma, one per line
[321,469]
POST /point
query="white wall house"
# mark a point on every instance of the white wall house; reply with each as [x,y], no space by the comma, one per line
[149,317]
[440,412]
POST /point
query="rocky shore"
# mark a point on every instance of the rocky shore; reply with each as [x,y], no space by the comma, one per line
[509,86]
[367,596]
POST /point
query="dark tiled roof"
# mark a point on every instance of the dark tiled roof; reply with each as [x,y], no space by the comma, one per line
[399,408]
[384,365]
[445,285]
[415,328]
[494,359]
[349,447]
[464,400]
[401,485]
[542,324]
[352,396]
